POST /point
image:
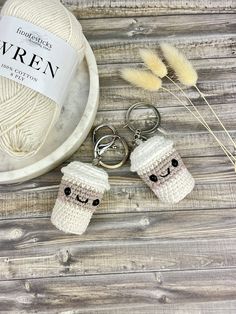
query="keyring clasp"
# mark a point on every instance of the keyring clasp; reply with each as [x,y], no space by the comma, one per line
[102,147]
[98,152]
[143,132]
[140,134]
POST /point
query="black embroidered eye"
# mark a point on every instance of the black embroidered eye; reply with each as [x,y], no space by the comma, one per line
[67,191]
[174,163]
[153,178]
[96,202]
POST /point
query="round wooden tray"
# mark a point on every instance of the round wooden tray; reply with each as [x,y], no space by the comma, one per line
[74,124]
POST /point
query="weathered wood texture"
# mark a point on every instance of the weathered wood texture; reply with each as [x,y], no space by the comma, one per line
[139,255]
[126,195]
[165,292]
[113,8]
[119,243]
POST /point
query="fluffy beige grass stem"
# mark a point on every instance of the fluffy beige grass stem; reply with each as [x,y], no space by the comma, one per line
[180,64]
[148,81]
[187,75]
[153,62]
[205,124]
[142,79]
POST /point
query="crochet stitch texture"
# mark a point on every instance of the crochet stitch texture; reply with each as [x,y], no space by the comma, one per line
[80,193]
[162,169]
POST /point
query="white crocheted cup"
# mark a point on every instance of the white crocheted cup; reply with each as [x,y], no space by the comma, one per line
[161,167]
[80,193]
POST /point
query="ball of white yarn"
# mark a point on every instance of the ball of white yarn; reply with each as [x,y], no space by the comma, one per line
[26,116]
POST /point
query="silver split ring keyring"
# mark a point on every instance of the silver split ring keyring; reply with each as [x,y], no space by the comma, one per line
[108,126]
[98,152]
[147,131]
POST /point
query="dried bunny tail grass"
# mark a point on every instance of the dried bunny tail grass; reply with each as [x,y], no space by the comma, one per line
[188,76]
[142,79]
[153,62]
[180,64]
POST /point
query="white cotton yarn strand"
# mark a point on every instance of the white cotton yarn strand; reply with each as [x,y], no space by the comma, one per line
[26,116]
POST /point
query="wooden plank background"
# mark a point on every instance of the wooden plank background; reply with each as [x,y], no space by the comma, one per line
[138,255]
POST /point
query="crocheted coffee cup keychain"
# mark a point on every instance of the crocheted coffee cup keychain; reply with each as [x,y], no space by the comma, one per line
[83,185]
[157,162]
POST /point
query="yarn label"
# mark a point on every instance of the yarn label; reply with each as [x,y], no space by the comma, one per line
[36,58]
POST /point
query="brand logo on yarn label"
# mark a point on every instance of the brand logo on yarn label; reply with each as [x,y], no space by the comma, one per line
[36,58]
[35,38]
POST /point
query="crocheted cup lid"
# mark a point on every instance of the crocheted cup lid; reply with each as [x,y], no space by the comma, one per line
[147,152]
[88,174]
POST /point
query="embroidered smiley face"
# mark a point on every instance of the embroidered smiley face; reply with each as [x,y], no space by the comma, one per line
[79,195]
[154,177]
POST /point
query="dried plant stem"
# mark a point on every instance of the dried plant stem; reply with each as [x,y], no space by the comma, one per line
[213,111]
[204,123]
[203,120]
